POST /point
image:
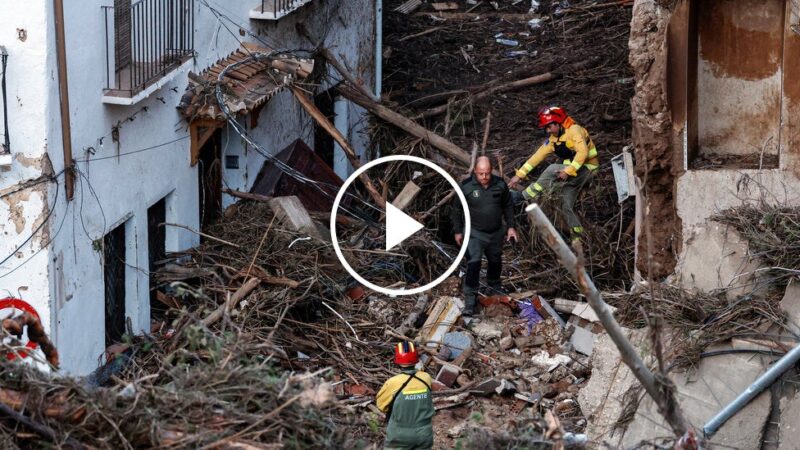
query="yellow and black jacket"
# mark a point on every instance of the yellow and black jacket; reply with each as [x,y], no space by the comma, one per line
[573,146]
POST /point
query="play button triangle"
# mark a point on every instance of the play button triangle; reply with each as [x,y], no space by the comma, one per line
[399,226]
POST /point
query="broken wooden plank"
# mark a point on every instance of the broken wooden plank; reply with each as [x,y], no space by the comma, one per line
[232,301]
[442,317]
[409,6]
[291,212]
[347,74]
[406,196]
[565,306]
[421,33]
[584,311]
[444,6]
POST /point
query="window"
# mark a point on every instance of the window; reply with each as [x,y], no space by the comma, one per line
[156,250]
[145,41]
[114,277]
[736,61]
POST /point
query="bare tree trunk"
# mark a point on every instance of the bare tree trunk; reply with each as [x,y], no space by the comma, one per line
[448,148]
[657,387]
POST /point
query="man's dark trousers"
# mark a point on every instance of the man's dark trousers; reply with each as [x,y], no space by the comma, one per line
[491,245]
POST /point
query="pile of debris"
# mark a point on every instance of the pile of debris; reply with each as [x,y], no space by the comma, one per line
[476,72]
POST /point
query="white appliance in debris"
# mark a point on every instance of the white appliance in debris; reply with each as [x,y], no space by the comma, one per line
[622,165]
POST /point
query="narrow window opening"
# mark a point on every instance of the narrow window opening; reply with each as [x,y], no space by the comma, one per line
[156,250]
[114,276]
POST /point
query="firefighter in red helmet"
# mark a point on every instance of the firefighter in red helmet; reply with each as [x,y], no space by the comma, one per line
[571,143]
[406,400]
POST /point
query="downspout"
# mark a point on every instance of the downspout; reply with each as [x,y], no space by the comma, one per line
[378,57]
[378,47]
[4,63]
[63,87]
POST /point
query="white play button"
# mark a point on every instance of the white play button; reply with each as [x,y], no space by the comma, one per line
[399,226]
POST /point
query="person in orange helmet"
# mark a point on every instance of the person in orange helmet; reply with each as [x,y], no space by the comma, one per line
[573,145]
[406,399]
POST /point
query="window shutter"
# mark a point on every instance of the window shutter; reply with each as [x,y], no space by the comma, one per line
[122,34]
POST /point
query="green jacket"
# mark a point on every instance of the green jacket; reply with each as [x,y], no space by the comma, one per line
[411,422]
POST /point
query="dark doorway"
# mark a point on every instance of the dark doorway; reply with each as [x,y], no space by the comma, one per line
[210,179]
[114,276]
[156,250]
[323,141]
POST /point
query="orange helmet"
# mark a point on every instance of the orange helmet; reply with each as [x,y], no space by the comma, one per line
[405,354]
[550,114]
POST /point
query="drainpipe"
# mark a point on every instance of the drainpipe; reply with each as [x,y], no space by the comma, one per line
[378,57]
[63,88]
[4,63]
[764,381]
[378,47]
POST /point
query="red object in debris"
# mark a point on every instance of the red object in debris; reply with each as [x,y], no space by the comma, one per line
[356,293]
[22,305]
[359,390]
[490,300]
[115,349]
[438,386]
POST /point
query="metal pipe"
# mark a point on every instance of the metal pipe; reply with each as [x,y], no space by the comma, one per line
[761,383]
[108,65]
[4,62]
[378,48]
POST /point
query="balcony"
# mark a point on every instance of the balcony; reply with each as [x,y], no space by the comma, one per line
[275,9]
[147,41]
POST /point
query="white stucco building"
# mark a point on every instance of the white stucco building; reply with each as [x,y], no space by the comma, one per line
[77,244]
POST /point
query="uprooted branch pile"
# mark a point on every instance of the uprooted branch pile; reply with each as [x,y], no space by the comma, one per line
[773,233]
[459,60]
[695,321]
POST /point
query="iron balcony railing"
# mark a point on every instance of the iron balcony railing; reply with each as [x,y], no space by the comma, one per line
[280,8]
[145,40]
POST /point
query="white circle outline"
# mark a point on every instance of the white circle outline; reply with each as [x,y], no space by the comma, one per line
[467,225]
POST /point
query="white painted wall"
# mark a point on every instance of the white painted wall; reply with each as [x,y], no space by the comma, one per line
[119,181]
[25,31]
[348,29]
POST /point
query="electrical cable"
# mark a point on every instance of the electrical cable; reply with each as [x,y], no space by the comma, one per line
[282,166]
[35,231]
[90,160]
[241,130]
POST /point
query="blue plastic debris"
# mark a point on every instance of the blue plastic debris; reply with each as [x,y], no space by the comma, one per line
[528,312]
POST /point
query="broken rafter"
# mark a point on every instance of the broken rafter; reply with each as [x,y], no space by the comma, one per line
[340,67]
[326,124]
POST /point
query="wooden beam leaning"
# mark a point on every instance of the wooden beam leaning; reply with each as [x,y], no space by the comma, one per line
[326,124]
[449,149]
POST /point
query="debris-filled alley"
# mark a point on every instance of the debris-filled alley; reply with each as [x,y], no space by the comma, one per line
[218,251]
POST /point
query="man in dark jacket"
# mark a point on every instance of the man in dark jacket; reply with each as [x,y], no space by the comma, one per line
[489,201]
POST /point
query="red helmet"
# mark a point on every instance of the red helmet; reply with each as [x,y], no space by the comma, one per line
[550,114]
[405,354]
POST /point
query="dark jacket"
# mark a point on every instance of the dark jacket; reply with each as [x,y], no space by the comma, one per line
[487,206]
